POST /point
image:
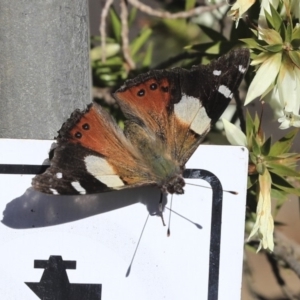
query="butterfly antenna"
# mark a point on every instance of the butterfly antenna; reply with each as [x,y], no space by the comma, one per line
[208,187]
[176,213]
[160,209]
[169,225]
[129,268]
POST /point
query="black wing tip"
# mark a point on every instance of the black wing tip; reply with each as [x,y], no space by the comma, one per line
[239,54]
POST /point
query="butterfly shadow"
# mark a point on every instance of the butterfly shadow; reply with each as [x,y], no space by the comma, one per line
[34,209]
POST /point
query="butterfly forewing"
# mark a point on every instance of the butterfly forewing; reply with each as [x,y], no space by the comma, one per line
[168,114]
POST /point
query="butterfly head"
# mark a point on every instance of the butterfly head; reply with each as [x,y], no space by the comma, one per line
[174,186]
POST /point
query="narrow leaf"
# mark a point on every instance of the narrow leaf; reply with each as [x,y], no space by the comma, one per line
[290,191]
[132,15]
[148,56]
[189,4]
[249,125]
[139,41]
[115,23]
[274,48]
[284,144]
[276,18]
[282,170]
[265,149]
[295,57]
[255,146]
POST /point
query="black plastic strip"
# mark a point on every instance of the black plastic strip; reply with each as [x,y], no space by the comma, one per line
[216,223]
[23,169]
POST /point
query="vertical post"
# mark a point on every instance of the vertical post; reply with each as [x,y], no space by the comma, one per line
[44,65]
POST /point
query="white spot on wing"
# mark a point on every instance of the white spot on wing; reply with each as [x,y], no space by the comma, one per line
[77,186]
[217,72]
[224,90]
[54,191]
[59,175]
[191,112]
[242,69]
[103,171]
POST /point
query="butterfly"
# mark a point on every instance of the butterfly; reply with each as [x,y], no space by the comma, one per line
[168,113]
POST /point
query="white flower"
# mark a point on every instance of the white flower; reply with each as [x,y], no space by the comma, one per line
[239,8]
[264,224]
[264,79]
[285,97]
[288,119]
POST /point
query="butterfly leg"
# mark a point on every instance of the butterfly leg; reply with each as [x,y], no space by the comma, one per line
[160,209]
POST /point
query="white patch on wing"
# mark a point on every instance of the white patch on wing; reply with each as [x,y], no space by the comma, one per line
[242,69]
[217,72]
[103,171]
[190,111]
[77,186]
[54,191]
[59,175]
[224,90]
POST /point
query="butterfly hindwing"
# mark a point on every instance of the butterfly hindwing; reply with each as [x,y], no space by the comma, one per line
[89,157]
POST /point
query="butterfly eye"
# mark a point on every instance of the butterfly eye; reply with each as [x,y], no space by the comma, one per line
[78,135]
[86,126]
[153,86]
[165,89]
[141,93]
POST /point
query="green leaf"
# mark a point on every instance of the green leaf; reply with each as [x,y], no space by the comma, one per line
[148,56]
[253,158]
[212,47]
[296,33]
[256,123]
[111,61]
[252,44]
[249,125]
[279,181]
[132,15]
[139,41]
[279,195]
[273,48]
[189,4]
[110,50]
[255,146]
[214,35]
[269,19]
[276,19]
[295,43]
[295,57]
[265,149]
[281,170]
[289,32]
[290,191]
[115,23]
[251,180]
[284,144]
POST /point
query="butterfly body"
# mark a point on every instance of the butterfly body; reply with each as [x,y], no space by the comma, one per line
[168,113]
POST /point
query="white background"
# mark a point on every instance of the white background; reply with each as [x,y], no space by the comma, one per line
[100,232]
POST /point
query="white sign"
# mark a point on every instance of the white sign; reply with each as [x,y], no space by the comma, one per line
[95,237]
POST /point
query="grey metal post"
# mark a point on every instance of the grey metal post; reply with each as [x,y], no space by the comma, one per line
[44,65]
